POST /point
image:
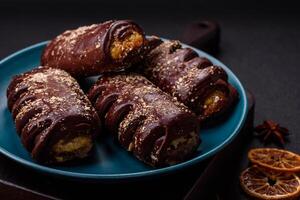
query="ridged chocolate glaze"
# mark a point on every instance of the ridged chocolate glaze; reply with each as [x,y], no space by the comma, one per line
[47,104]
[86,51]
[186,76]
[139,114]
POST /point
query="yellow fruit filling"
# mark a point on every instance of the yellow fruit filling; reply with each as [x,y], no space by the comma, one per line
[120,48]
[68,149]
[180,147]
[213,102]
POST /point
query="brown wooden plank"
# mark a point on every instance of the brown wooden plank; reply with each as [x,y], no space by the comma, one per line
[10,191]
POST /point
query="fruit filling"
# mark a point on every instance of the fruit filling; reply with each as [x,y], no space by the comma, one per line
[121,48]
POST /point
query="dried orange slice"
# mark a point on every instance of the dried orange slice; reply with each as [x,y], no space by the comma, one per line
[275,159]
[263,184]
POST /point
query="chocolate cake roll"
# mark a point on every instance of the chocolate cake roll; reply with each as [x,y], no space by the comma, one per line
[156,128]
[193,80]
[53,116]
[91,50]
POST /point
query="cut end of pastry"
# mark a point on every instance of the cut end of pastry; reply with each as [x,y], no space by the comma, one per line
[213,103]
[121,48]
[71,148]
[181,147]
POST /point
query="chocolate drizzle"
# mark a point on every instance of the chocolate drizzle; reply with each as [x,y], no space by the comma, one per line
[86,51]
[47,106]
[145,120]
[188,77]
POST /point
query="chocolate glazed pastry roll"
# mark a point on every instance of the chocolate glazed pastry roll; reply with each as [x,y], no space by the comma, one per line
[193,80]
[91,50]
[158,130]
[54,118]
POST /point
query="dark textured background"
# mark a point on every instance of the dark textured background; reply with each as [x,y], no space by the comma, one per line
[260,43]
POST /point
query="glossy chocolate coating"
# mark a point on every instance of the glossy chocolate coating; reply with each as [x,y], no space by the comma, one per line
[186,76]
[86,51]
[145,120]
[204,35]
[48,105]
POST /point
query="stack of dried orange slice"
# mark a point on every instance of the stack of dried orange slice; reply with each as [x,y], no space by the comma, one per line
[273,174]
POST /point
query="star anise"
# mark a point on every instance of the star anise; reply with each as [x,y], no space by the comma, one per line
[271,130]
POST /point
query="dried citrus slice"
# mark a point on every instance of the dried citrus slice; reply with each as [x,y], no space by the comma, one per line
[275,159]
[263,184]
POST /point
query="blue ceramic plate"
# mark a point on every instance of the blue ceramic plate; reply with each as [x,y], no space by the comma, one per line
[109,161]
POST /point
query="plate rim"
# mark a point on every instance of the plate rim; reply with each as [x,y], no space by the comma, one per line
[141,174]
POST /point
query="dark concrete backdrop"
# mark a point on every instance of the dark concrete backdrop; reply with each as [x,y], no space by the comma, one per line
[260,40]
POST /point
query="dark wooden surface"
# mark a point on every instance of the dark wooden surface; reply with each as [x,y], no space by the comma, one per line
[10,191]
[261,46]
[223,168]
